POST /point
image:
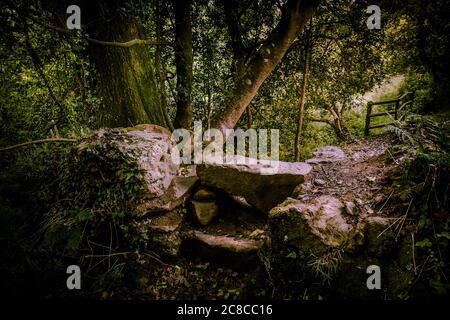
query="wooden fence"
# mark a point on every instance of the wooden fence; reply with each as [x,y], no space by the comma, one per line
[397,110]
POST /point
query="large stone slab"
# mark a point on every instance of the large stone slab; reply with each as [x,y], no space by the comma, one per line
[224,250]
[264,184]
[327,154]
[226,243]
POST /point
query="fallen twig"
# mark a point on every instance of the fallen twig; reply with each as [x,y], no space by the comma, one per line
[38,142]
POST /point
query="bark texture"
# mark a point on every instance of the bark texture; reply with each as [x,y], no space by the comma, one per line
[183,60]
[127,80]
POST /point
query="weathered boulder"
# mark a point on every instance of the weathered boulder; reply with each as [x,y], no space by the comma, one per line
[327,154]
[380,236]
[326,240]
[312,227]
[140,159]
[263,184]
[308,240]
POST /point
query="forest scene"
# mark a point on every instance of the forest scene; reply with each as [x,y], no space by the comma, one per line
[225,149]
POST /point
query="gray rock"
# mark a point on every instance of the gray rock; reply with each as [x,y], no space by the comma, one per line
[227,243]
[264,184]
[114,154]
[350,207]
[241,201]
[319,182]
[225,250]
[380,238]
[327,154]
[316,225]
[173,196]
[321,240]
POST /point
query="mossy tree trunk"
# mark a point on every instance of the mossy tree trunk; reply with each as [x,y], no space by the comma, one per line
[127,79]
[183,60]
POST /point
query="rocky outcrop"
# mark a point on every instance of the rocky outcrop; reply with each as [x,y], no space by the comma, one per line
[212,211]
[168,202]
[323,240]
[263,184]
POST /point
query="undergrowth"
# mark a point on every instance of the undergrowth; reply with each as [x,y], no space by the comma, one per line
[424,182]
[58,210]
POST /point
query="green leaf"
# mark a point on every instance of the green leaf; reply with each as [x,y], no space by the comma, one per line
[425,243]
[445,235]
[292,255]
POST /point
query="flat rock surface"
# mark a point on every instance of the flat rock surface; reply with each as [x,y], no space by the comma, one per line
[327,154]
[263,184]
[226,242]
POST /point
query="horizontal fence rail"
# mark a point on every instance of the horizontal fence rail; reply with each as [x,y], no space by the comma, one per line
[401,106]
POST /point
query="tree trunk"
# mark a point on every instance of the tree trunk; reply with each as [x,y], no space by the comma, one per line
[232,19]
[183,60]
[301,111]
[295,15]
[159,70]
[127,80]
[341,130]
[338,124]
[209,107]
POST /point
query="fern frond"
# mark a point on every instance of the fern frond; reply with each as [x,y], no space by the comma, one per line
[402,134]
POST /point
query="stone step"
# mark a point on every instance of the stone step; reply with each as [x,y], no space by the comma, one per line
[228,251]
[252,178]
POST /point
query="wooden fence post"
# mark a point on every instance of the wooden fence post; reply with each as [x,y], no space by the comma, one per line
[369,111]
[396,109]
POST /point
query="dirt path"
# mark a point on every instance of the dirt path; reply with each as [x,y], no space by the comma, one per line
[359,178]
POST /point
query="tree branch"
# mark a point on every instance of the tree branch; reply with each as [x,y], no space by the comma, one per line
[38,142]
[320,120]
[126,44]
